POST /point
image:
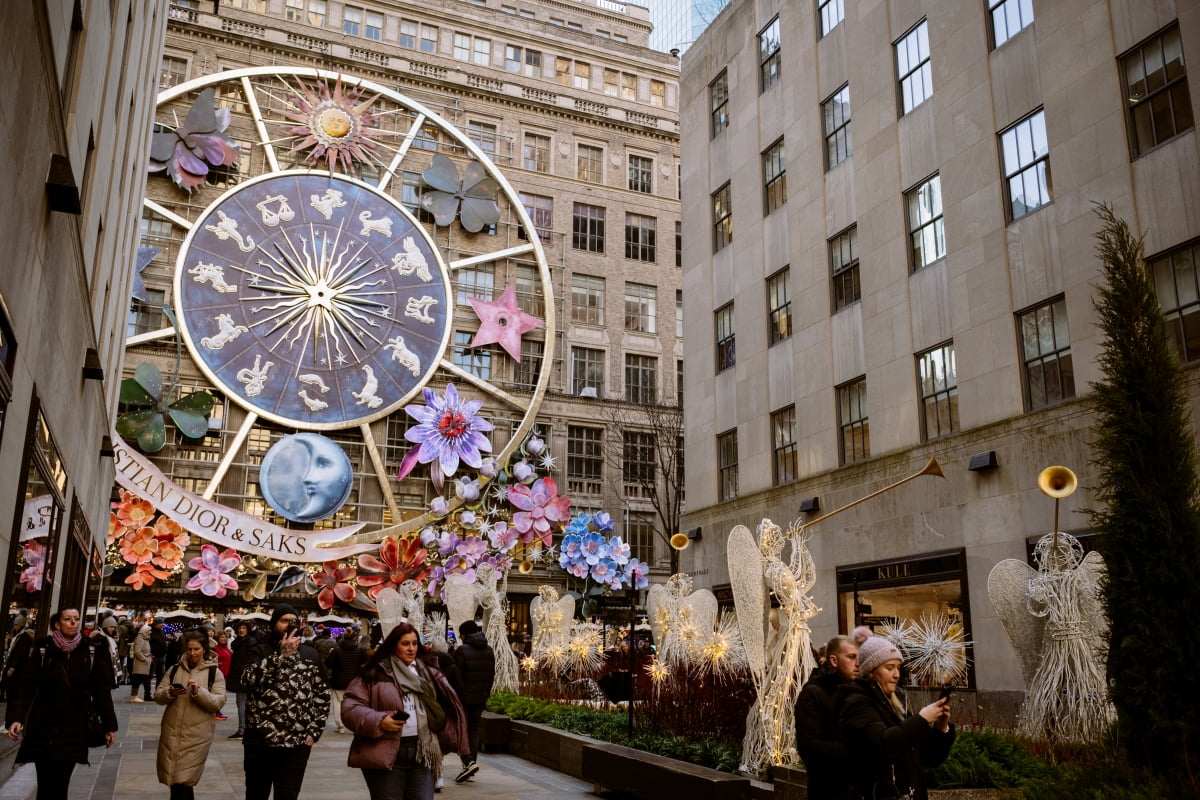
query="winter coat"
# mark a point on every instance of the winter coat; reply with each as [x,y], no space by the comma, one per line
[242,648]
[158,643]
[187,722]
[366,704]
[887,752]
[344,662]
[142,654]
[476,669]
[51,695]
[324,645]
[287,699]
[818,741]
[224,658]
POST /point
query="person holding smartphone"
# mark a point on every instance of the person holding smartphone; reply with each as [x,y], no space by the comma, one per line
[888,748]
[404,716]
[193,690]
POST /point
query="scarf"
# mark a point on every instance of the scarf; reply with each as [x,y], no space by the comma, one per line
[63,643]
[429,752]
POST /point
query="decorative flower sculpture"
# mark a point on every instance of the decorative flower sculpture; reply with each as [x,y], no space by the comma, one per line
[212,578]
[187,152]
[144,575]
[334,583]
[172,541]
[335,125]
[399,560]
[502,321]
[133,511]
[540,505]
[449,431]
[146,421]
[602,564]
[35,570]
[475,193]
[139,545]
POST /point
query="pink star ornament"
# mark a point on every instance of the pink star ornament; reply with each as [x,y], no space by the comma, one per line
[502,322]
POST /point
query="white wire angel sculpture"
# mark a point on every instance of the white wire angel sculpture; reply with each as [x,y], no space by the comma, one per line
[681,620]
[1055,620]
[755,570]
[550,618]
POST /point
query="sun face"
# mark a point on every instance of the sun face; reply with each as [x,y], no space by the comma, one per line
[335,125]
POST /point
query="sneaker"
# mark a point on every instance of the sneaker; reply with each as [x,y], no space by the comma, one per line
[467,773]
[341,729]
[222,716]
[136,699]
[236,735]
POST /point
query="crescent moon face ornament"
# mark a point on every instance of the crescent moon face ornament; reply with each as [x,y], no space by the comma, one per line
[313,300]
[306,477]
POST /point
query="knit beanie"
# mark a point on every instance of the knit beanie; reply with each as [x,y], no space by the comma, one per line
[468,627]
[875,651]
[282,610]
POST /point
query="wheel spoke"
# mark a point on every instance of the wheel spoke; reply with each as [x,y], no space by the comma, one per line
[149,336]
[385,485]
[159,209]
[263,136]
[390,172]
[510,252]
[485,386]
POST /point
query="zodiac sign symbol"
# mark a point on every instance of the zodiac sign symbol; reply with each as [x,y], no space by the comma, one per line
[227,229]
[419,309]
[367,396]
[313,403]
[255,377]
[283,211]
[313,379]
[327,202]
[411,260]
[227,333]
[382,225]
[213,274]
[401,353]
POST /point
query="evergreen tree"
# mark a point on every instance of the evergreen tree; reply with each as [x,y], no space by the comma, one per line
[1149,515]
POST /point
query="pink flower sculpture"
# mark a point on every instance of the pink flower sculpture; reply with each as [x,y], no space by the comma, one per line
[540,505]
[172,541]
[333,582]
[399,560]
[134,512]
[139,545]
[145,574]
[35,557]
[213,565]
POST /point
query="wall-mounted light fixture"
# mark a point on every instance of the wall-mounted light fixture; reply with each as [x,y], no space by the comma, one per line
[61,191]
[106,447]
[93,370]
[982,462]
[810,505]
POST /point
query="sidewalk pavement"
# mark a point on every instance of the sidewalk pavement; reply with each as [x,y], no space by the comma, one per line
[127,770]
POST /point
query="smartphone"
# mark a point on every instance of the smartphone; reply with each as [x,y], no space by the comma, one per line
[177,686]
[946,692]
[293,629]
[400,715]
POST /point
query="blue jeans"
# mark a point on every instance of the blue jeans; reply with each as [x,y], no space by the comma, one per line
[241,707]
[406,780]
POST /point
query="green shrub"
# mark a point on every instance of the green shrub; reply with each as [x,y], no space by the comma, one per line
[1106,780]
[985,759]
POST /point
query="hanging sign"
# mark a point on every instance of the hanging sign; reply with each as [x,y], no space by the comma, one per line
[38,513]
[225,526]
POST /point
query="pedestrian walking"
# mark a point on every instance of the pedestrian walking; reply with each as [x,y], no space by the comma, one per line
[476,664]
[56,690]
[830,776]
[242,647]
[224,660]
[193,692]
[158,648]
[344,663]
[143,665]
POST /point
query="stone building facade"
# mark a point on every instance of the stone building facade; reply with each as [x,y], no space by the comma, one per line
[889,255]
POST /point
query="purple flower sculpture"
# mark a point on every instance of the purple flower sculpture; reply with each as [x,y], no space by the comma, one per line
[449,430]
[638,574]
[540,505]
[502,536]
[187,152]
[213,565]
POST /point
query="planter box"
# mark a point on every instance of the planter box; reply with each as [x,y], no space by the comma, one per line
[649,776]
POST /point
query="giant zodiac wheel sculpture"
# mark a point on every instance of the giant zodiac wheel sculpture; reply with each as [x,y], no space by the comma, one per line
[315,293]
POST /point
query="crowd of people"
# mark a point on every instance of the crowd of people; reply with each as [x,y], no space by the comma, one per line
[400,700]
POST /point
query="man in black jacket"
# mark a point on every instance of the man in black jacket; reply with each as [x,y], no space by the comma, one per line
[477,671]
[817,738]
[343,663]
[158,649]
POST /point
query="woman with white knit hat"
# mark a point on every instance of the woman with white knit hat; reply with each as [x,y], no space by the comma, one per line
[889,748]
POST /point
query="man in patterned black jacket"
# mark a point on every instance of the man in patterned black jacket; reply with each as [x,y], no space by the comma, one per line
[286,708]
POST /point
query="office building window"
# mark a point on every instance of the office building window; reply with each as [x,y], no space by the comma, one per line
[722,218]
[612,82]
[411,187]
[562,71]
[641,308]
[535,152]
[525,371]
[640,536]
[1009,17]
[541,213]
[727,465]
[475,360]
[638,464]
[587,228]
[587,371]
[832,13]
[1046,352]
[514,57]
[774,169]
[429,39]
[533,63]
[843,265]
[477,282]
[587,299]
[640,237]
[1156,85]
[583,75]
[726,352]
[836,111]
[1177,283]
[679,388]
[853,422]
[146,315]
[427,139]
[529,291]
[628,86]
[641,174]
[483,134]
[352,18]
[373,28]
[937,379]
[718,99]
[585,459]
[779,306]
[925,225]
[783,443]
[768,56]
[408,33]
[1026,165]
[679,313]
[641,379]
[658,94]
[912,68]
[173,72]
[589,163]
[523,61]
[482,55]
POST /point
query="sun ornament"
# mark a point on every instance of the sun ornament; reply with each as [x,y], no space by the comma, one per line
[335,124]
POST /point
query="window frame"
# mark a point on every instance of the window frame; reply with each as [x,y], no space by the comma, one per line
[475,360]
[769,60]
[540,209]
[923,66]
[585,459]
[779,306]
[641,237]
[589,162]
[844,273]
[774,176]
[587,227]
[784,450]
[854,421]
[722,218]
[828,23]
[1056,357]
[718,112]
[641,379]
[481,287]
[936,223]
[640,174]
[1168,88]
[999,9]
[1038,163]
[525,371]
[641,307]
[591,288]
[838,138]
[1184,305]
[589,359]
[727,465]
[533,153]
[932,396]
[725,329]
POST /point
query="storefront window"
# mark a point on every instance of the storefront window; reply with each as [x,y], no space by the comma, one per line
[885,593]
[8,356]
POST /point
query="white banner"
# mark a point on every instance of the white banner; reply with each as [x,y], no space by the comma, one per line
[38,512]
[225,526]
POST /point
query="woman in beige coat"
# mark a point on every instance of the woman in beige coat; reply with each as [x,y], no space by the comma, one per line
[193,691]
[142,663]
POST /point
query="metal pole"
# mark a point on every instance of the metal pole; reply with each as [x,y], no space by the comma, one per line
[632,656]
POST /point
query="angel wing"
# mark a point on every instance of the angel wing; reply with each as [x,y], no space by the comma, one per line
[749,595]
[1008,584]
[391,609]
[565,607]
[658,607]
[536,615]
[460,599]
[413,598]
[704,610]
[1091,603]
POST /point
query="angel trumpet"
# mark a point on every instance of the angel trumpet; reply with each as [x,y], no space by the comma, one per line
[525,567]
[1057,482]
[680,541]
[930,468]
